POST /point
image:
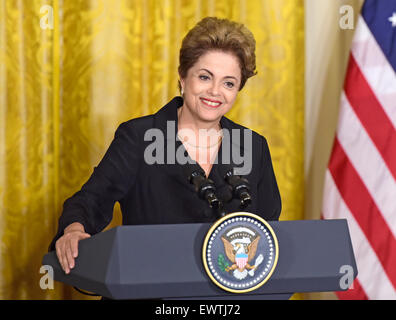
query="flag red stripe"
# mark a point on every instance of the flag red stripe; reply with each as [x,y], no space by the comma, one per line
[364,209]
[357,293]
[371,114]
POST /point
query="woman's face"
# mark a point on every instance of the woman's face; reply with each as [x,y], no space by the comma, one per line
[211,85]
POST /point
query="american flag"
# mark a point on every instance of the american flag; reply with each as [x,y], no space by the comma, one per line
[360,182]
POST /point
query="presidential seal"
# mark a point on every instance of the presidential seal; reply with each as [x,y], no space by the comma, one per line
[240,252]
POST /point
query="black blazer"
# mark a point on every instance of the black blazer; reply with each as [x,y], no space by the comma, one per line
[161,193]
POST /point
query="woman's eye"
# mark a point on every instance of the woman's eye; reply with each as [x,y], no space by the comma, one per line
[203,77]
[229,84]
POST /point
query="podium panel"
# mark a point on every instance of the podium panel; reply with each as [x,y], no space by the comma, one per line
[165,261]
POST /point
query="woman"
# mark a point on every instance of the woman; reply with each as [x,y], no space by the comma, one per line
[147,176]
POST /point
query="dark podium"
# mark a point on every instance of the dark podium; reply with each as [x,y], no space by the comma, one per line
[165,261]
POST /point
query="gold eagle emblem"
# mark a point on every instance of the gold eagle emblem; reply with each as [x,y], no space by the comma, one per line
[239,256]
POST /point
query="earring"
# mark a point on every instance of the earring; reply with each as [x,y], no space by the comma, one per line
[182,92]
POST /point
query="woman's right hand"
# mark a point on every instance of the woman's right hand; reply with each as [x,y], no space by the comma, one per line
[67,245]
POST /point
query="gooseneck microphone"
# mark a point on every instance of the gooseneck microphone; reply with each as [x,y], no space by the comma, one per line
[240,187]
[205,188]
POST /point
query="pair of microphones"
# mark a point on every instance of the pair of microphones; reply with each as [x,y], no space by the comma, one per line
[238,186]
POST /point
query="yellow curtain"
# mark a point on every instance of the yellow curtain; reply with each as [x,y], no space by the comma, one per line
[71,71]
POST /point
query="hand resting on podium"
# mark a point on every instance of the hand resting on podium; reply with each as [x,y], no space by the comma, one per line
[67,245]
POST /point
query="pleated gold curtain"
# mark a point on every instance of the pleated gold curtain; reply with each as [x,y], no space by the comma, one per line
[71,71]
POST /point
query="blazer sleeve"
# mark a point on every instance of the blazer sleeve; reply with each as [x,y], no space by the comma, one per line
[268,192]
[93,205]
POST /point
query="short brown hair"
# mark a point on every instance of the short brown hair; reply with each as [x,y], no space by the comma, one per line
[212,33]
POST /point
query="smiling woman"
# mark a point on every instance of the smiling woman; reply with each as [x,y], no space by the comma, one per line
[209,91]
[216,59]
[210,88]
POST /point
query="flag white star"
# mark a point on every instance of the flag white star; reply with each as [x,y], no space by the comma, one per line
[393,19]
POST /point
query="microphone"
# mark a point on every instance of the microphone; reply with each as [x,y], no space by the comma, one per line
[240,186]
[205,188]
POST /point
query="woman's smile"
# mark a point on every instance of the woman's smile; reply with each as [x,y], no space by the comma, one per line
[211,103]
